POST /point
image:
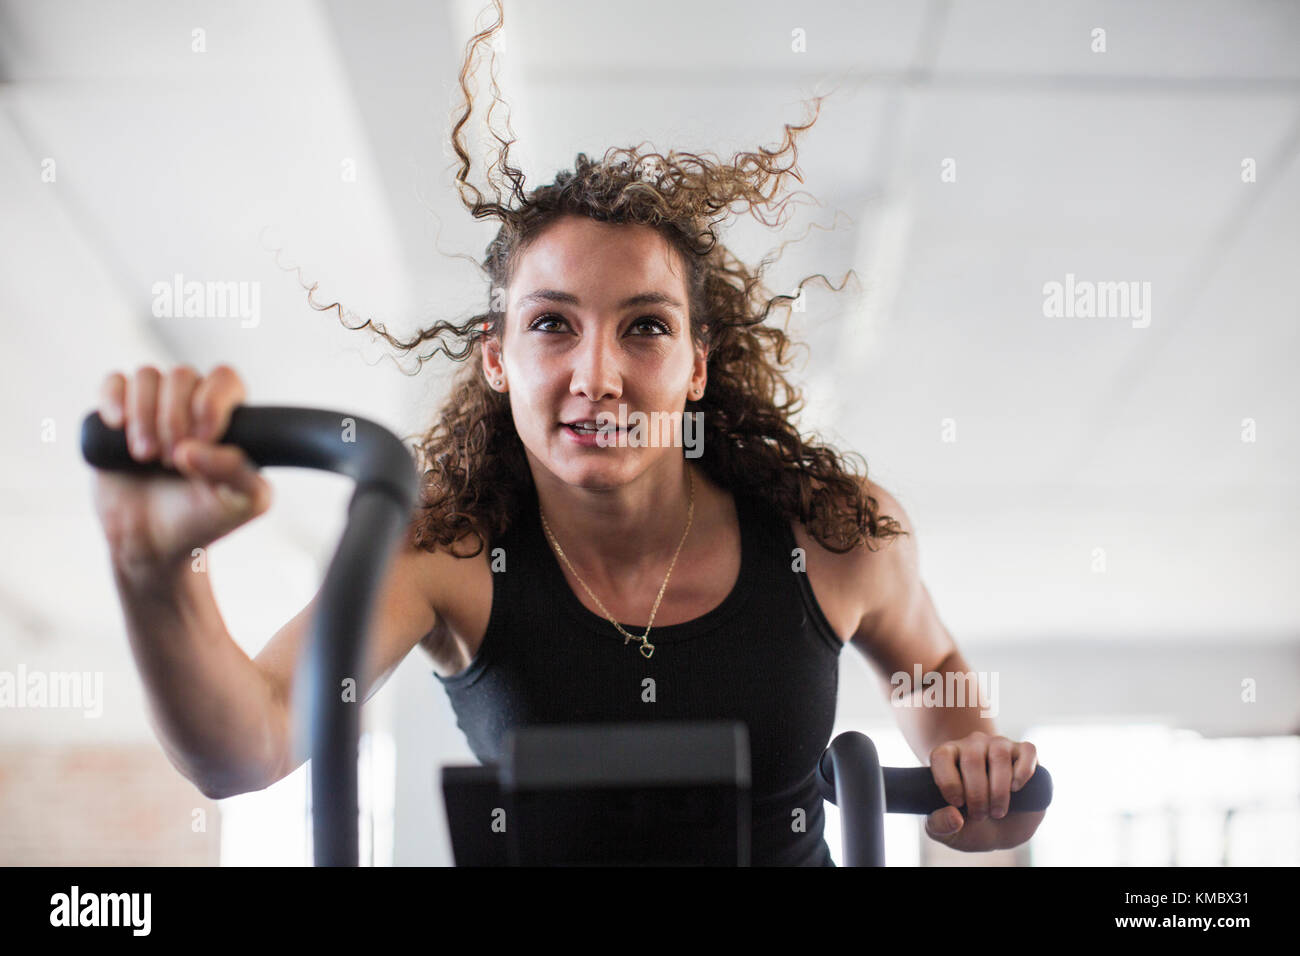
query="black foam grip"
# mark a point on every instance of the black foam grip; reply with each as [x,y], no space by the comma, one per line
[913,790]
[279,435]
[105,448]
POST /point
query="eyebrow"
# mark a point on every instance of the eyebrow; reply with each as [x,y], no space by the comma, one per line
[568,298]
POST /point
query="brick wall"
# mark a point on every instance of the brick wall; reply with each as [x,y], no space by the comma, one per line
[102,804]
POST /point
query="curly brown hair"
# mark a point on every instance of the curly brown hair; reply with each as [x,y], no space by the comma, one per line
[475,472]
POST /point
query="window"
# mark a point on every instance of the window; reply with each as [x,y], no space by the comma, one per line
[1137,795]
[272,827]
[1153,795]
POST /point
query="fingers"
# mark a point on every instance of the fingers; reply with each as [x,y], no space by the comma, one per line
[214,400]
[174,409]
[142,413]
[980,772]
[961,775]
[1026,762]
[160,411]
[223,464]
[944,825]
[237,483]
[1000,755]
[112,400]
[943,765]
[975,777]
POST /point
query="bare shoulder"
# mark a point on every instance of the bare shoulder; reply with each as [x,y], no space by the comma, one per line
[849,585]
[443,574]
[854,562]
[455,588]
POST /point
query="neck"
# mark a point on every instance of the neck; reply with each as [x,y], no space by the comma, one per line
[617,536]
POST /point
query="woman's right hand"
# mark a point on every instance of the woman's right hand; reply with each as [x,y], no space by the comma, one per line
[154,522]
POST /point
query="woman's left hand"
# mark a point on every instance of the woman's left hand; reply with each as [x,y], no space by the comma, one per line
[981,772]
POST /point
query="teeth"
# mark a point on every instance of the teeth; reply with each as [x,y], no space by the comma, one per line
[590,428]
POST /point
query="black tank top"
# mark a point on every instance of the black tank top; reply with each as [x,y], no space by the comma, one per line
[765,656]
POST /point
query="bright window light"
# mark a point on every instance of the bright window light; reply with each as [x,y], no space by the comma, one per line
[1152,795]
[272,827]
[267,827]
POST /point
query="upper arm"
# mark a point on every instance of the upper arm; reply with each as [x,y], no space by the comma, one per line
[403,613]
[899,627]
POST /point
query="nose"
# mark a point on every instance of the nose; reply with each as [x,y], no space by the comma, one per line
[596,374]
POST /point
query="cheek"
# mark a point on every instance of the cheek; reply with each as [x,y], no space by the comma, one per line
[543,383]
[534,399]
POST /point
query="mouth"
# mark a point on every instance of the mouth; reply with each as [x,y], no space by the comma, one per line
[586,426]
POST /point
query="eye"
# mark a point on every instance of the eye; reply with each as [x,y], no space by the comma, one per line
[645,321]
[548,317]
[650,319]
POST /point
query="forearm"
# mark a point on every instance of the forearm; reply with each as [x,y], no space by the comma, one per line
[925,726]
[213,711]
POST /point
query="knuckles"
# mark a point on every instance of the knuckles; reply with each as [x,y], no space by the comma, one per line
[181,399]
[182,375]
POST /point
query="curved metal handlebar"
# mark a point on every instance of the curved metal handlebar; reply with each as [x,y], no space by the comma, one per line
[328,678]
[274,435]
[849,775]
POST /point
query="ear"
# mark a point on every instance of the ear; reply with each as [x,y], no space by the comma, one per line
[493,367]
[699,374]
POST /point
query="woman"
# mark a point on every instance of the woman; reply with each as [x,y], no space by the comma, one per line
[565,564]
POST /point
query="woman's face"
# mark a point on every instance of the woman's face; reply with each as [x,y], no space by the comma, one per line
[596,322]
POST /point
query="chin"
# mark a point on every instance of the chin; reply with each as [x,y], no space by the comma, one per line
[594,478]
[591,473]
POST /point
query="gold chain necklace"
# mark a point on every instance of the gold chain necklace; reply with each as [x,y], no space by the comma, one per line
[647,648]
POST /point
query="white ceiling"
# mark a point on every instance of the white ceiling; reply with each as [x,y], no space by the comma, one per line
[1072,434]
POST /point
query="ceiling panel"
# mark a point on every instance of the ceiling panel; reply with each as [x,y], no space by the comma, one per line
[1072,433]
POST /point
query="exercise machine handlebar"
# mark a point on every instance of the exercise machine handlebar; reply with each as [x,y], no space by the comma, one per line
[850,776]
[325,717]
